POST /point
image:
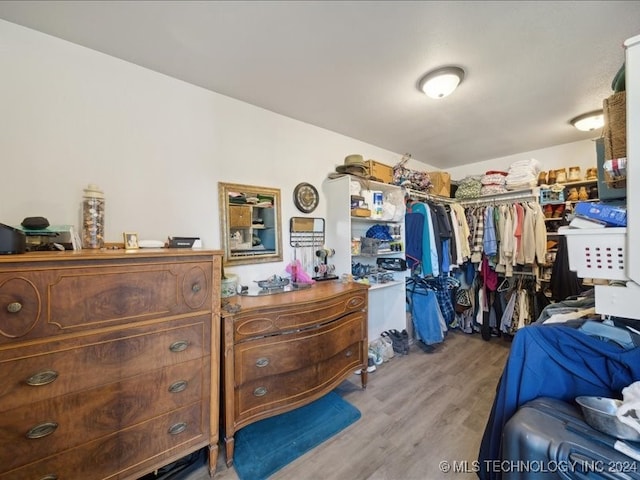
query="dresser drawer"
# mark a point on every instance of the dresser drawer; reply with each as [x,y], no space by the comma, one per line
[277,372]
[44,428]
[35,372]
[274,320]
[291,352]
[295,387]
[120,455]
[44,302]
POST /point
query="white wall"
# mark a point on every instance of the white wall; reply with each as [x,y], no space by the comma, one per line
[157,146]
[582,154]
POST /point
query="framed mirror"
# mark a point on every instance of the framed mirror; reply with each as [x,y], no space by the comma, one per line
[250,223]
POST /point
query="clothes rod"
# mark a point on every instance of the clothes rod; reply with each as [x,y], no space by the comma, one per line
[531,194]
[416,194]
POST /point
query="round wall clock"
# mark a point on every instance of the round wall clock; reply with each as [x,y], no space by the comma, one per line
[305,197]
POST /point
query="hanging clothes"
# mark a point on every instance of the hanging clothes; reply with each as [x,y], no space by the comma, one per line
[564,282]
[414,227]
[443,235]
[428,322]
[456,244]
[430,257]
[465,250]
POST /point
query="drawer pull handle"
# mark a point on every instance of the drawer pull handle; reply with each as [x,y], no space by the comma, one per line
[196,288]
[42,430]
[262,362]
[179,346]
[51,476]
[42,378]
[178,386]
[348,353]
[177,428]
[260,391]
[14,307]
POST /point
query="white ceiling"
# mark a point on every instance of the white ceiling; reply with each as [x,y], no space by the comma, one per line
[353,66]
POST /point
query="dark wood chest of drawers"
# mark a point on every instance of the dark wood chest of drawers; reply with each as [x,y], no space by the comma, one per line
[285,350]
[109,362]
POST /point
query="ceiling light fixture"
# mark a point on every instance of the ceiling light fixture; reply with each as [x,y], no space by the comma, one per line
[441,82]
[589,121]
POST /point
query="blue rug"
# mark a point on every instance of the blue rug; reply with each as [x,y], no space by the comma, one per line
[264,447]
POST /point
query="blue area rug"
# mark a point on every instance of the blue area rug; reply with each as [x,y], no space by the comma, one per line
[264,447]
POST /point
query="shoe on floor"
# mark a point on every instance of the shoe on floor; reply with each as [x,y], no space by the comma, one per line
[371,367]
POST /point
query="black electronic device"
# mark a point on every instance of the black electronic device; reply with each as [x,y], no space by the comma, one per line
[182,242]
[35,223]
[12,240]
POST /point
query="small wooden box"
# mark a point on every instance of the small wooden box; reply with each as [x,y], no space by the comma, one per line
[360,212]
[381,172]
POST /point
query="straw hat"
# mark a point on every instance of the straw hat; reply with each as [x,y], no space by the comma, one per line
[354,165]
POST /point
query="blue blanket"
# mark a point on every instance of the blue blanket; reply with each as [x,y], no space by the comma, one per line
[553,361]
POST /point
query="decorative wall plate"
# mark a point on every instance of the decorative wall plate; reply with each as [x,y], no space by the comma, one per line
[305,197]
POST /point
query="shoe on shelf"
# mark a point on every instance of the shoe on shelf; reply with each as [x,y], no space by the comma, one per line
[583,194]
[548,211]
[558,211]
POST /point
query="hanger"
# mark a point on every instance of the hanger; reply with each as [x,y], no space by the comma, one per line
[504,285]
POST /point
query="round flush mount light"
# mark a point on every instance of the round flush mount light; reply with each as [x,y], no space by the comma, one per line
[589,121]
[441,82]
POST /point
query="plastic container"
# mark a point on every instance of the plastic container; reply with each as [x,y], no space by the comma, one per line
[597,252]
[378,202]
[551,196]
[93,217]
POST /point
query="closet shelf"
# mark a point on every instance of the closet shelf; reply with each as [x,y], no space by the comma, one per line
[378,286]
[373,220]
[379,254]
[579,183]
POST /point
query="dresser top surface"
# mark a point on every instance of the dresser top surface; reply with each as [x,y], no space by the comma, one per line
[319,291]
[102,254]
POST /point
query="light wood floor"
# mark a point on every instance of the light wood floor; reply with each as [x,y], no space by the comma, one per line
[418,410]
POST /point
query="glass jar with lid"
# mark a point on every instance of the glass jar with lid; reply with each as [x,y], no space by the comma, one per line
[93,217]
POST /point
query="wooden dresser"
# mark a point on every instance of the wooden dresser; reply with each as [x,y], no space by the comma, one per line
[283,351]
[109,362]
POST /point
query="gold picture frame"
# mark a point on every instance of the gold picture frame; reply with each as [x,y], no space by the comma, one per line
[130,241]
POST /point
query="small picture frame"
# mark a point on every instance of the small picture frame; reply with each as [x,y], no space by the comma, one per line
[130,241]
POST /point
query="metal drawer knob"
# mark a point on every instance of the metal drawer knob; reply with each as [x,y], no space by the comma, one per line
[177,428]
[179,346]
[42,378]
[195,288]
[178,386]
[14,307]
[262,362]
[42,430]
[348,353]
[260,391]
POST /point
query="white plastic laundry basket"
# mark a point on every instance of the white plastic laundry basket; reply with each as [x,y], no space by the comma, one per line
[597,252]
